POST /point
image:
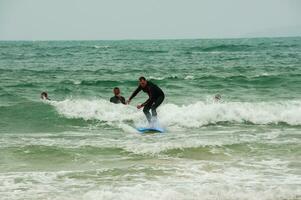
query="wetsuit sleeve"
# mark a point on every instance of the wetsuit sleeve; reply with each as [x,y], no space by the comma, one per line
[150,97]
[122,99]
[135,92]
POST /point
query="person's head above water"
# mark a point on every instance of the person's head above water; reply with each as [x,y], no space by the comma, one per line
[117,98]
[142,81]
[44,96]
[116,91]
[217,97]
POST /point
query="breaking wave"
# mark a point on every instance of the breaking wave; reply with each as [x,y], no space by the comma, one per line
[191,116]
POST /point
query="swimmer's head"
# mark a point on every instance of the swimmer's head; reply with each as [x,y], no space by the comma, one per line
[142,82]
[116,91]
[217,97]
[44,96]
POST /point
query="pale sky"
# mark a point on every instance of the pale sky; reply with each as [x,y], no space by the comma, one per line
[147,19]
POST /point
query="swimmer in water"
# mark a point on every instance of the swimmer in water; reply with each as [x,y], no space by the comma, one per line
[217,98]
[44,96]
[117,98]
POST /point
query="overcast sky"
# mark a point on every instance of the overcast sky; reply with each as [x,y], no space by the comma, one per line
[147,19]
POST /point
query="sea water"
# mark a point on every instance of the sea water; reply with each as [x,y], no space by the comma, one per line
[247,145]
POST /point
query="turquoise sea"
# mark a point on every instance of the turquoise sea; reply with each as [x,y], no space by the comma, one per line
[79,146]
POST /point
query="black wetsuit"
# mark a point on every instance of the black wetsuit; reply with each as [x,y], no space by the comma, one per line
[117,99]
[156,97]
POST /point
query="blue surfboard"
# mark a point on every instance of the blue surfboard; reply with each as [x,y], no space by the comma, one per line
[151,130]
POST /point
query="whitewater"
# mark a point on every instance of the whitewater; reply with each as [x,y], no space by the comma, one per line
[81,146]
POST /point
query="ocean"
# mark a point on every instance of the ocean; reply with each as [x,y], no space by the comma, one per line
[80,146]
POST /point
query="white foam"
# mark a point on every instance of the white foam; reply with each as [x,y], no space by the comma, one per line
[96,109]
[156,78]
[201,113]
[99,47]
[193,191]
[188,181]
[189,77]
[191,116]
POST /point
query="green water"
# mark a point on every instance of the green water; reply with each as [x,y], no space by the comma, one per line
[80,146]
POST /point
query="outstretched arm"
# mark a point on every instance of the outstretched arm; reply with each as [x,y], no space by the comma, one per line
[122,100]
[134,93]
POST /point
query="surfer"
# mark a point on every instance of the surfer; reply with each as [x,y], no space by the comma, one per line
[156,97]
[44,96]
[117,98]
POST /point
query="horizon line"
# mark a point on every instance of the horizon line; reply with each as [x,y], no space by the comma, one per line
[149,39]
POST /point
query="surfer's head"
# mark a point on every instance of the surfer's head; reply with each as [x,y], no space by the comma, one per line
[44,96]
[116,91]
[142,82]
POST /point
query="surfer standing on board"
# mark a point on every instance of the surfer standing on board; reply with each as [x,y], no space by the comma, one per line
[156,97]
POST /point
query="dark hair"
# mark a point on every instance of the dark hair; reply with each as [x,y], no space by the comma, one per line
[116,88]
[44,94]
[142,78]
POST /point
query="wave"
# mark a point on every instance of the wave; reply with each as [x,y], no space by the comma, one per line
[8,98]
[189,147]
[95,109]
[28,116]
[145,51]
[202,113]
[189,77]
[160,78]
[101,47]
[190,181]
[71,114]
[224,47]
[188,116]
[112,83]
[260,79]
[24,84]
[105,82]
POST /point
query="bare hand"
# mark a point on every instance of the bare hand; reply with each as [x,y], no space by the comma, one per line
[139,106]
